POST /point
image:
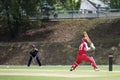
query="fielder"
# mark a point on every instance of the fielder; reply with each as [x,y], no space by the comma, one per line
[82,55]
[34,54]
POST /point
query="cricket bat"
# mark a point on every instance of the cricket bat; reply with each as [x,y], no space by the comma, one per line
[86,35]
[89,40]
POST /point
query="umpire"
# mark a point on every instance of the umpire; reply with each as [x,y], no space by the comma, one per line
[34,54]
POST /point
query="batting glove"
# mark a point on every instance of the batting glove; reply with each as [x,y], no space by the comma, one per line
[92,46]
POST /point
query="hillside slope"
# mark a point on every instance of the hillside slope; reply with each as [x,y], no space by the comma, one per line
[58,42]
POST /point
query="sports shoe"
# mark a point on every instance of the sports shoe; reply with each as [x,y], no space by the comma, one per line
[71,69]
[97,69]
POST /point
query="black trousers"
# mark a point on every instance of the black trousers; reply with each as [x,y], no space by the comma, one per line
[37,59]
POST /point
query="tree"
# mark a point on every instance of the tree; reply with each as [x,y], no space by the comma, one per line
[65,4]
[115,4]
[16,14]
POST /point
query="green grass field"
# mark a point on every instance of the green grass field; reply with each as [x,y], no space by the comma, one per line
[58,73]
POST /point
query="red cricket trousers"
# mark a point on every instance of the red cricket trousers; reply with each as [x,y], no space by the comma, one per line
[84,57]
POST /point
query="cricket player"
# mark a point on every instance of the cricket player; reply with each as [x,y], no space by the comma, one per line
[34,54]
[82,55]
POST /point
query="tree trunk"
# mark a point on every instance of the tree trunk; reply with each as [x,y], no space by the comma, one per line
[9,23]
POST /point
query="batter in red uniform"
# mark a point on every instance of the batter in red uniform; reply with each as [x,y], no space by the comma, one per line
[82,55]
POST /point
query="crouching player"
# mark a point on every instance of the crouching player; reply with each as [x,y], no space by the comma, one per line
[82,55]
[34,54]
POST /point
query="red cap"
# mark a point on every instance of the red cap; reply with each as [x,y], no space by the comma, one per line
[84,39]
